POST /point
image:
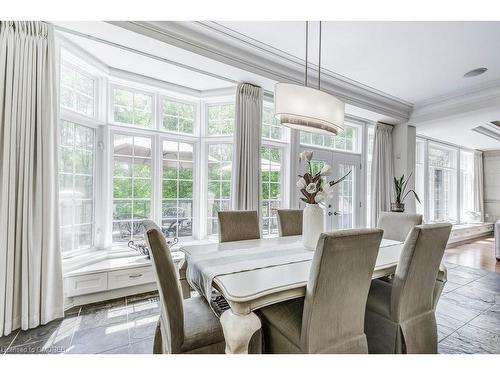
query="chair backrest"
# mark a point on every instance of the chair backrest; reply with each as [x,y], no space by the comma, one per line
[336,293]
[417,269]
[290,222]
[397,225]
[238,226]
[171,316]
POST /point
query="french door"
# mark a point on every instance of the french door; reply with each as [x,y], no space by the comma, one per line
[342,211]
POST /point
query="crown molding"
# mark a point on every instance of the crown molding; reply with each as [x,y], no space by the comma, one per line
[219,43]
[472,99]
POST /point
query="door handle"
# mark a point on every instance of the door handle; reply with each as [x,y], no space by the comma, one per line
[336,213]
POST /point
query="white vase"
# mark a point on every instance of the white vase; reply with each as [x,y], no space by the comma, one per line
[312,225]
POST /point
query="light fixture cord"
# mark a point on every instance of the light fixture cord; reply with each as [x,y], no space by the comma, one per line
[307,39]
[319,58]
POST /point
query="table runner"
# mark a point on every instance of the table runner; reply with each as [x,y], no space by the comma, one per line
[203,268]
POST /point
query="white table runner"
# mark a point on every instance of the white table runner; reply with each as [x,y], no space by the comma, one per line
[203,268]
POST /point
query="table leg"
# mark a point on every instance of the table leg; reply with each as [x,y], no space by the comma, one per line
[238,331]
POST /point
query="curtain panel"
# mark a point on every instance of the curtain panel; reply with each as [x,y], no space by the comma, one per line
[382,173]
[30,263]
[247,141]
[479,184]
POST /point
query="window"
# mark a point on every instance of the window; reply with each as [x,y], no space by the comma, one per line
[442,183]
[218,182]
[177,116]
[271,129]
[76,186]
[132,107]
[77,91]
[369,156]
[220,119]
[177,204]
[467,214]
[420,174]
[271,188]
[346,140]
[346,197]
[131,185]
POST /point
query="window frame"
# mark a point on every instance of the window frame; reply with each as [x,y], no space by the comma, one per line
[205,123]
[427,143]
[196,182]
[73,252]
[96,90]
[196,116]
[349,122]
[111,105]
[110,197]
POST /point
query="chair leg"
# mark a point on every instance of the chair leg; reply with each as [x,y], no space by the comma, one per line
[157,343]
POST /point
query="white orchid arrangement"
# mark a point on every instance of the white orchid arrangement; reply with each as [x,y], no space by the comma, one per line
[314,187]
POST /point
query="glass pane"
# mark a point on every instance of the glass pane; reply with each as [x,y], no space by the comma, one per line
[142,147]
[123,145]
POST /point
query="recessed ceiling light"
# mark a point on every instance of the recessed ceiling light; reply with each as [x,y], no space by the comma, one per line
[475,72]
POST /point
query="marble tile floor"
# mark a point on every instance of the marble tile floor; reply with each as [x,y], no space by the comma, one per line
[468,317]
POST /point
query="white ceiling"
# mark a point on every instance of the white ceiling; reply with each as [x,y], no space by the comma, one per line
[128,60]
[413,61]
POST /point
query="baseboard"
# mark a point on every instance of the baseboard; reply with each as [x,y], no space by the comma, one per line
[108,295]
[467,240]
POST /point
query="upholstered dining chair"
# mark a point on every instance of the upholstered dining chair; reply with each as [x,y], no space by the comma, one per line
[238,226]
[184,326]
[400,314]
[289,222]
[397,225]
[330,318]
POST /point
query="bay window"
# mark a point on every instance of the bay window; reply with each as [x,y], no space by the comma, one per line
[444,181]
[76,186]
[219,167]
[220,119]
[177,188]
[271,165]
[177,116]
[467,208]
[132,176]
[77,90]
[132,107]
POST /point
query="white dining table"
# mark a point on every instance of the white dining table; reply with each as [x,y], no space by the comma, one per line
[249,290]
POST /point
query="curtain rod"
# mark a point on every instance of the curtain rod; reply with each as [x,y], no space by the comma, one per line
[146,54]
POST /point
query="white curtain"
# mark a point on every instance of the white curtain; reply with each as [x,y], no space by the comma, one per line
[30,262]
[382,173]
[246,154]
[478,184]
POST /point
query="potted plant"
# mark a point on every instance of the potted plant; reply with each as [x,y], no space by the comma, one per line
[315,191]
[400,185]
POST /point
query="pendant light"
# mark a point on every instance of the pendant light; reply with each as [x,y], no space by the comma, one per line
[306,108]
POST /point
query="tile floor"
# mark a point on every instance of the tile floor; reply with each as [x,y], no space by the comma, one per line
[468,317]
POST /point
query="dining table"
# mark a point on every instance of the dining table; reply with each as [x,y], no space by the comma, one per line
[252,274]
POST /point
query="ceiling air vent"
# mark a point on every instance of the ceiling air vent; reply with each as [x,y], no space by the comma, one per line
[496,123]
[491,130]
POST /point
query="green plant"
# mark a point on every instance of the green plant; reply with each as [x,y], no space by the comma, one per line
[400,185]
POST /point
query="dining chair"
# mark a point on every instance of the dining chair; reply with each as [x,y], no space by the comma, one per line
[397,225]
[400,314]
[442,278]
[184,326]
[289,222]
[330,318]
[238,226]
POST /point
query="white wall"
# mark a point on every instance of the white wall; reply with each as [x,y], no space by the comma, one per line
[403,143]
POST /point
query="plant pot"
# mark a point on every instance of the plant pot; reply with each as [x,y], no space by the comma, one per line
[397,207]
[312,225]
